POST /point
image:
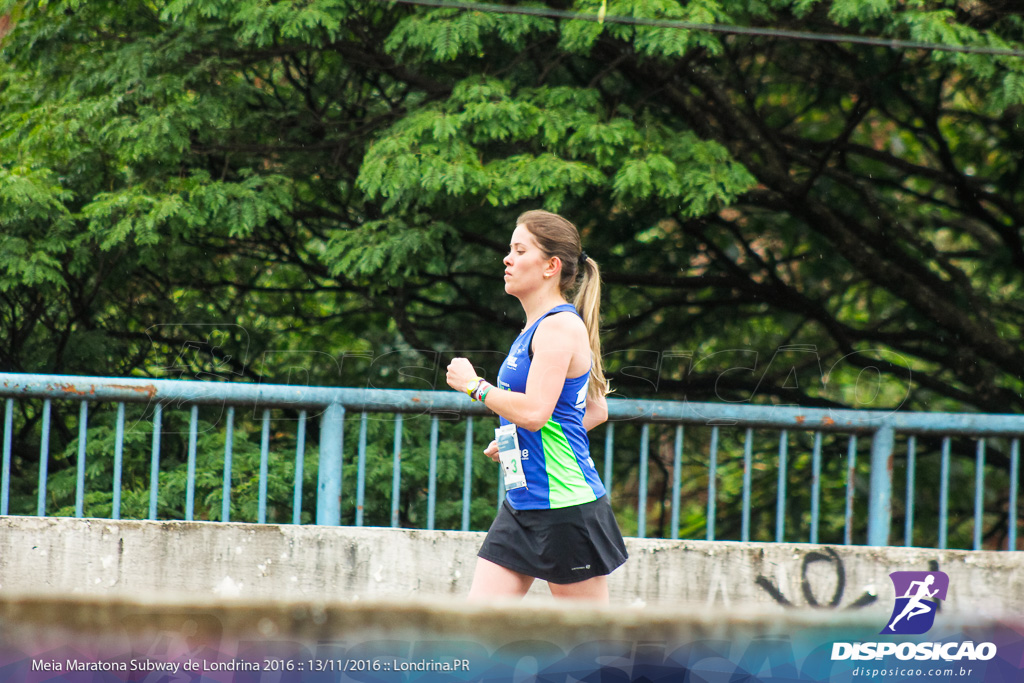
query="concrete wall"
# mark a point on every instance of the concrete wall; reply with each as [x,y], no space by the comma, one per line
[53,556]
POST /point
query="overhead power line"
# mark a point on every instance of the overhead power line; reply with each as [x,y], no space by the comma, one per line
[551,13]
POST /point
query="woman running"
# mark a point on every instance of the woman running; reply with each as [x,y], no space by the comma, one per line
[556,523]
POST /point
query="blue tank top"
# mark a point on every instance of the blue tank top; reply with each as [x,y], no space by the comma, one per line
[556,459]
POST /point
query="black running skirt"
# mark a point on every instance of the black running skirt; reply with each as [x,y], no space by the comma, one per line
[564,545]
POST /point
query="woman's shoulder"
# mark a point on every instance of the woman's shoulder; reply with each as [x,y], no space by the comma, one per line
[566,322]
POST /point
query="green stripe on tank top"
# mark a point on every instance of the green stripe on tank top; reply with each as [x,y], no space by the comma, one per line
[566,483]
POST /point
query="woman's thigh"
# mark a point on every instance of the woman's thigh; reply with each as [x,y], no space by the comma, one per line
[491,581]
[595,588]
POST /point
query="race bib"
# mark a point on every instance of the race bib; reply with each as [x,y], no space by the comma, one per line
[510,457]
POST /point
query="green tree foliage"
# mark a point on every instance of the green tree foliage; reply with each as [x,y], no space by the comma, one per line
[321,192]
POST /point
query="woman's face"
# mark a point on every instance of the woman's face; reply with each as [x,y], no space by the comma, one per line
[526,264]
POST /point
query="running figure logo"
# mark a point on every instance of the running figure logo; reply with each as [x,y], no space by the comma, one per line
[916,596]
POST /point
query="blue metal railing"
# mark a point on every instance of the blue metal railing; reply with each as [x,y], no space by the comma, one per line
[335,404]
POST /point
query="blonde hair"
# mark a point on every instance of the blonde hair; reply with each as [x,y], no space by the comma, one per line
[557,236]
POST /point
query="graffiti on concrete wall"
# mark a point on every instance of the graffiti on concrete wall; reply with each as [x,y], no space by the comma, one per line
[815,560]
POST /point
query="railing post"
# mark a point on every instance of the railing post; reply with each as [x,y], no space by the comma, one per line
[5,469]
[328,491]
[641,508]
[880,497]
[118,462]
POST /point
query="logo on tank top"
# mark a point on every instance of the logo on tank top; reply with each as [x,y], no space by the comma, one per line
[581,397]
[511,363]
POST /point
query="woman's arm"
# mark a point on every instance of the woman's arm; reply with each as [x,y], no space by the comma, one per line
[597,412]
[552,354]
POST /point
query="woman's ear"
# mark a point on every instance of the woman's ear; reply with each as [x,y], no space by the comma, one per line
[553,267]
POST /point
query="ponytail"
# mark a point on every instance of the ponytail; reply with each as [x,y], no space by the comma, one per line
[588,303]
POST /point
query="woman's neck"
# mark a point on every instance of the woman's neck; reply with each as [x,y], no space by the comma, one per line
[539,303]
